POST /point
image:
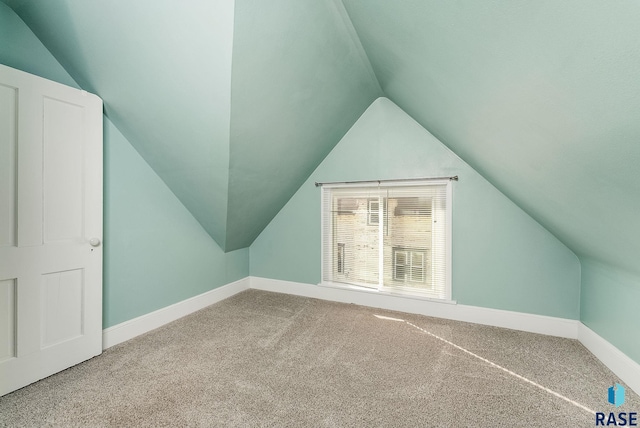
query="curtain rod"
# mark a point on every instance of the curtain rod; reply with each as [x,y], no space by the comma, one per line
[453,178]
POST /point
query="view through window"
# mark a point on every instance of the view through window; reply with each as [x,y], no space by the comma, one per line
[394,237]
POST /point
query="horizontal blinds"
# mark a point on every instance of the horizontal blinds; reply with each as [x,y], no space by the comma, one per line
[415,240]
[350,236]
[387,237]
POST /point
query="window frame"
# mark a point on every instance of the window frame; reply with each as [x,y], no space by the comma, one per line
[405,291]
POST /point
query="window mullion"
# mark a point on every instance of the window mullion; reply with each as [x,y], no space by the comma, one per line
[381,225]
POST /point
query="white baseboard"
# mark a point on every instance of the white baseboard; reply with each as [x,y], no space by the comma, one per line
[552,326]
[619,363]
[129,329]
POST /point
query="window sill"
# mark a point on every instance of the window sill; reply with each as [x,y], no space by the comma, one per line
[403,294]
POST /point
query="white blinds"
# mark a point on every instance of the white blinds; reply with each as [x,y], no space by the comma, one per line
[351,238]
[388,237]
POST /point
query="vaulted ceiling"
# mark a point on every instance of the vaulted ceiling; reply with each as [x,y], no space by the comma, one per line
[235,103]
[541,97]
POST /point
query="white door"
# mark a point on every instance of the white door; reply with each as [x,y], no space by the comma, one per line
[50,227]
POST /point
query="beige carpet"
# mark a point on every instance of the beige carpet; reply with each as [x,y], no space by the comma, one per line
[263,359]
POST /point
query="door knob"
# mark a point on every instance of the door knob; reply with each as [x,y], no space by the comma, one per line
[94,242]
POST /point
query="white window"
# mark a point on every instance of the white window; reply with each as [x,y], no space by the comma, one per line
[409,265]
[395,238]
[373,218]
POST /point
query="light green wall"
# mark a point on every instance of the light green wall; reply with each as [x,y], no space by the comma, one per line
[609,305]
[156,253]
[501,257]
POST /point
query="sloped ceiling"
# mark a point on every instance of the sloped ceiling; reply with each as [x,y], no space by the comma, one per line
[234,104]
[164,73]
[300,81]
[541,97]
[233,148]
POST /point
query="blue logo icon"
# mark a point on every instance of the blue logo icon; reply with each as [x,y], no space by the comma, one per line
[616,395]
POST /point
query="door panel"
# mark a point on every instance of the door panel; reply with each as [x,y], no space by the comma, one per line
[8,143]
[63,171]
[50,207]
[61,315]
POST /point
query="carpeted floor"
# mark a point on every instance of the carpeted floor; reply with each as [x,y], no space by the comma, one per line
[263,359]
